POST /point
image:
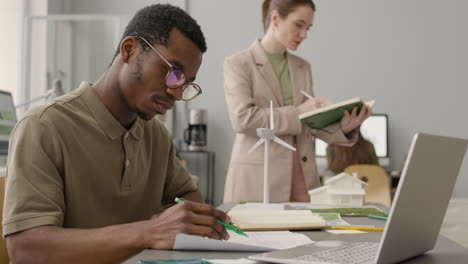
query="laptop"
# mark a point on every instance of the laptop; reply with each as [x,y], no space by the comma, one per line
[416,215]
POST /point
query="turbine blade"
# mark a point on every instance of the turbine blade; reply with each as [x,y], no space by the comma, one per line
[281,142]
[256,145]
[272,119]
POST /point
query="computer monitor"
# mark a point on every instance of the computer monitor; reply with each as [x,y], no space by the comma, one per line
[7,120]
[374,129]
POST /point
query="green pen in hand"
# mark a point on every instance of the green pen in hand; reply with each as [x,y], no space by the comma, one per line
[228,226]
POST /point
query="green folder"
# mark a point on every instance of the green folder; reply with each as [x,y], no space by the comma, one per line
[351,211]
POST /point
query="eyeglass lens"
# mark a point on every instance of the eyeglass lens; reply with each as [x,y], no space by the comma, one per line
[175,78]
[190,91]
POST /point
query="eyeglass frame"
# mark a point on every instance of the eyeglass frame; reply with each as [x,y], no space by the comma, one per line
[171,69]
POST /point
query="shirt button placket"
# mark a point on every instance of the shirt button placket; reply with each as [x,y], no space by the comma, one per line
[127,146]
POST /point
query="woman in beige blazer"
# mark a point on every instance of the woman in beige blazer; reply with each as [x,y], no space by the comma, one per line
[251,81]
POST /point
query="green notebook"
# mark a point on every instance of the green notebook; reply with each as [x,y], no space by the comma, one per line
[330,114]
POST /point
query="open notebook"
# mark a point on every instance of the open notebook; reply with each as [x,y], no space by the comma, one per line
[268,220]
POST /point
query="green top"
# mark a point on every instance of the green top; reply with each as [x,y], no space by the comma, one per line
[280,65]
[73,165]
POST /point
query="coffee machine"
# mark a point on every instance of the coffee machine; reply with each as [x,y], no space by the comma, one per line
[195,133]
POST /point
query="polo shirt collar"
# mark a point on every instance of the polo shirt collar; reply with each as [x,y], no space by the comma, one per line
[105,119]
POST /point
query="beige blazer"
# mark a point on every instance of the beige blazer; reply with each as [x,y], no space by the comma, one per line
[250,83]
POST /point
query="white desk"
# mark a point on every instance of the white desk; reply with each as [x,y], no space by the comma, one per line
[445,251]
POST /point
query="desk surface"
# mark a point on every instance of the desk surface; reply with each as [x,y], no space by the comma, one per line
[445,251]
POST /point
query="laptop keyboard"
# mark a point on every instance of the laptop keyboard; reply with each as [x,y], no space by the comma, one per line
[350,252]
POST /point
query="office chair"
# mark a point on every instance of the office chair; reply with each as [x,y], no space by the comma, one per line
[3,249]
[378,182]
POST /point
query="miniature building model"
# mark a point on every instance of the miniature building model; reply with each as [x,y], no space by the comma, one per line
[343,189]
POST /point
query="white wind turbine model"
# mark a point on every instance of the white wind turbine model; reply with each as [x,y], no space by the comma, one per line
[266,135]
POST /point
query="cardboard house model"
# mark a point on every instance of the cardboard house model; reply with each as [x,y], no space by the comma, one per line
[343,189]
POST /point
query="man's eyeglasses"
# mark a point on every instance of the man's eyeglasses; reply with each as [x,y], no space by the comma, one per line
[176,78]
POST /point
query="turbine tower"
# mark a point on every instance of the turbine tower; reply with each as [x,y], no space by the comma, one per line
[266,135]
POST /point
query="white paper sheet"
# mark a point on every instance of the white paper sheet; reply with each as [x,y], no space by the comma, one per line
[271,239]
[257,241]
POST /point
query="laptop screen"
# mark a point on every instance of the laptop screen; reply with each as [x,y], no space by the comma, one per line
[7,120]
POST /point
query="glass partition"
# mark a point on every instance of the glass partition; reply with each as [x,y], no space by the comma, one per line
[60,51]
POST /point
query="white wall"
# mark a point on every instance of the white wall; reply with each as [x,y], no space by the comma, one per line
[11,13]
[10,35]
[410,56]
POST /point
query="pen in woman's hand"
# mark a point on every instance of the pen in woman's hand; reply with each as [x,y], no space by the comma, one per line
[321,102]
[307,95]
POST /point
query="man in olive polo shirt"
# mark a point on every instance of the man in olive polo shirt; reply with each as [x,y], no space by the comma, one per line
[90,173]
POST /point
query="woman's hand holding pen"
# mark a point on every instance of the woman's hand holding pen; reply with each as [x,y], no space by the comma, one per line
[352,120]
[311,104]
[185,217]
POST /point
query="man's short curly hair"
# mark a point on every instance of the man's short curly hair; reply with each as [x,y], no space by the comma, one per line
[155,22]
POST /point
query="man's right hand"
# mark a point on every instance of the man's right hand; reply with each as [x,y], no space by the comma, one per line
[186,217]
[111,244]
